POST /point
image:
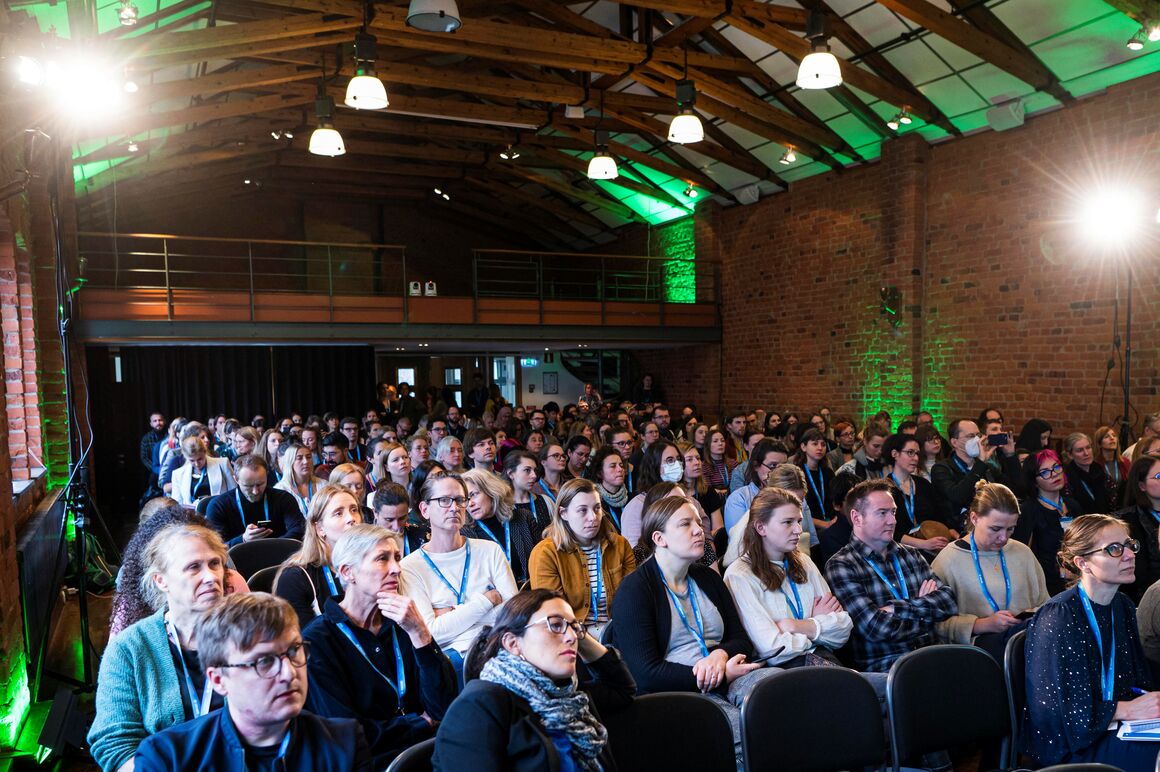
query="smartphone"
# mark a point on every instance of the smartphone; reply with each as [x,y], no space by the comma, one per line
[766,658]
[265,523]
[998,440]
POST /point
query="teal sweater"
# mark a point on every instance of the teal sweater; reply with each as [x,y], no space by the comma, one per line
[138,692]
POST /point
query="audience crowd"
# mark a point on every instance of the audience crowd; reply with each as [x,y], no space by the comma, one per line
[502,578]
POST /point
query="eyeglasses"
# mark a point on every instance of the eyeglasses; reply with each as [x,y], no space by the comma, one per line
[1116,549]
[623,443]
[909,452]
[1051,471]
[846,433]
[560,625]
[269,665]
[447,501]
[556,456]
[773,465]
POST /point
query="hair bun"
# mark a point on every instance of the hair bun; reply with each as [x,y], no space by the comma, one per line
[980,483]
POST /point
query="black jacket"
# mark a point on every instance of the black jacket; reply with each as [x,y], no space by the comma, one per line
[958,487]
[286,519]
[1143,527]
[928,505]
[489,728]
[1091,489]
[1040,529]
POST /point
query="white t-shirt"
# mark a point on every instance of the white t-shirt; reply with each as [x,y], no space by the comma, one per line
[489,570]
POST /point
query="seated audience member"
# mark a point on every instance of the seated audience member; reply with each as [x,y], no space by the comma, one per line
[492,517]
[578,449]
[130,603]
[415,491]
[397,464]
[254,511]
[846,436]
[375,466]
[245,442]
[766,456]
[1086,480]
[607,469]
[674,620]
[868,463]
[887,588]
[449,453]
[693,480]
[298,477]
[717,463]
[355,452]
[791,478]
[457,583]
[150,675]
[520,470]
[372,656]
[811,457]
[529,706]
[970,461]
[255,658]
[392,508]
[1033,437]
[660,463]
[837,536]
[1107,452]
[916,498]
[309,438]
[306,579]
[553,463]
[582,557]
[784,602]
[933,448]
[354,479]
[201,476]
[418,448]
[749,440]
[997,581]
[643,549]
[1046,514]
[268,448]
[1143,493]
[1148,617]
[1085,666]
[480,446]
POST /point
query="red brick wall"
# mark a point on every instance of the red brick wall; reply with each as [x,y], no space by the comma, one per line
[1001,303]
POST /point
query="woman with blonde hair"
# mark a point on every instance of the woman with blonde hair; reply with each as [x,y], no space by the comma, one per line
[493,517]
[1085,665]
[306,578]
[352,477]
[784,602]
[582,556]
[201,476]
[298,478]
[996,580]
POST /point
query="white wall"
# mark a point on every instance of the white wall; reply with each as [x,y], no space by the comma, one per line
[569,387]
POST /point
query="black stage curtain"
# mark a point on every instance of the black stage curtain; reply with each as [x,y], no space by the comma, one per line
[200,381]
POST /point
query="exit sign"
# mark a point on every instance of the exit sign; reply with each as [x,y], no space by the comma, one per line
[529,362]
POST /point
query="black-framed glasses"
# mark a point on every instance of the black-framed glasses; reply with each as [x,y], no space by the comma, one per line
[560,625]
[909,452]
[1116,549]
[772,465]
[269,665]
[1051,471]
[447,501]
[556,456]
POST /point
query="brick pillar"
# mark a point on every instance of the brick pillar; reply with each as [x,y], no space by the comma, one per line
[10,328]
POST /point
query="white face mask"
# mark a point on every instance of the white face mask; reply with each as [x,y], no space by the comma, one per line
[672,471]
[973,448]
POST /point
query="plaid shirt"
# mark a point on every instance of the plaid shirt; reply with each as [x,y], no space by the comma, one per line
[880,638]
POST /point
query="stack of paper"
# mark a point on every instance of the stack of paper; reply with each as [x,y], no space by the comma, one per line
[1146,729]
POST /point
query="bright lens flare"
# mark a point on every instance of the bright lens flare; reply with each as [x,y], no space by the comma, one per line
[1112,217]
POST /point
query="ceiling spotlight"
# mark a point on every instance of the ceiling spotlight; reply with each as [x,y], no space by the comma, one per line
[602,166]
[788,157]
[247,181]
[690,191]
[904,117]
[365,91]
[1153,30]
[510,154]
[820,68]
[127,13]
[132,147]
[439,192]
[1136,42]
[325,140]
[433,15]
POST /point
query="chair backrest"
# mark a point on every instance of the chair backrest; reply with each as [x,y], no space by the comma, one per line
[774,738]
[1087,767]
[1014,670]
[250,557]
[942,696]
[417,758]
[643,735]
[203,504]
[263,580]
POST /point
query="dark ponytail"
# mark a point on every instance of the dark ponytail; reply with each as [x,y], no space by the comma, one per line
[513,618]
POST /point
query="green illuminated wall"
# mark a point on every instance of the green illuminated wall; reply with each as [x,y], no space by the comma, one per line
[677,243]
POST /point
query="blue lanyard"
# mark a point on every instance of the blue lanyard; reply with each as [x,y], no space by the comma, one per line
[965,469]
[1087,489]
[1051,504]
[613,517]
[406,542]
[195,481]
[1113,470]
[199,707]
[242,512]
[597,592]
[819,488]
[905,593]
[373,481]
[329,576]
[399,685]
[1108,670]
[1156,515]
[907,499]
[795,606]
[548,491]
[507,538]
[699,631]
[459,596]
[983,582]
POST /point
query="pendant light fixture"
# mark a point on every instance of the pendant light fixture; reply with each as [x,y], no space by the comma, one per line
[365,91]
[820,68]
[602,166]
[325,140]
[433,15]
[686,128]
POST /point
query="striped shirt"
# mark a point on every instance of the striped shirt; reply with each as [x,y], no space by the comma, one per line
[600,613]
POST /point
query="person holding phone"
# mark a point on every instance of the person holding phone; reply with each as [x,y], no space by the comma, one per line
[254,510]
[974,457]
[997,581]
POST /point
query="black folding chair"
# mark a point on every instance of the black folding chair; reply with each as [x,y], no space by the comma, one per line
[417,758]
[672,730]
[939,697]
[1014,673]
[1091,767]
[250,557]
[774,738]
[263,580]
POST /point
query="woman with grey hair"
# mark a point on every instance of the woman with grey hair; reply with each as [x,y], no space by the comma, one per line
[150,675]
[1090,484]
[372,656]
[449,453]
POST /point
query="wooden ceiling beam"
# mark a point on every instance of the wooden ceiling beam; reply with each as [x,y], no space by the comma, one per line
[1140,10]
[560,159]
[565,211]
[424,152]
[207,41]
[570,191]
[471,81]
[351,164]
[221,82]
[267,49]
[565,17]
[136,122]
[162,163]
[514,200]
[177,10]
